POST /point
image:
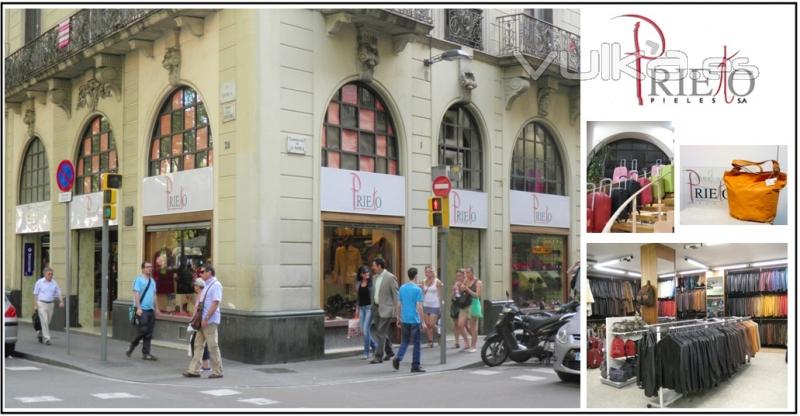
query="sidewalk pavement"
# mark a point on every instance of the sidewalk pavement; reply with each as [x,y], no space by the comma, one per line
[85,356]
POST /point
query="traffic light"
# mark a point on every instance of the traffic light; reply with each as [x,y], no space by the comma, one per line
[110,204]
[438,212]
[110,181]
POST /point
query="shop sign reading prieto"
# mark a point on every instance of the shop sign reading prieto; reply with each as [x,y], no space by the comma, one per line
[86,211]
[703,185]
[469,209]
[358,192]
[179,192]
[539,210]
[33,218]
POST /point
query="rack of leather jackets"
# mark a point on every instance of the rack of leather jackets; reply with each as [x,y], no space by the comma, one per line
[666,307]
[756,281]
[613,297]
[691,357]
[762,306]
[690,302]
[773,332]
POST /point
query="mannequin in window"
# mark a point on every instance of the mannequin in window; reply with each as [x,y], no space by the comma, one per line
[379,249]
[164,277]
[346,262]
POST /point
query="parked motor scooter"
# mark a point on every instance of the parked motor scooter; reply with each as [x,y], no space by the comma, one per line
[520,337]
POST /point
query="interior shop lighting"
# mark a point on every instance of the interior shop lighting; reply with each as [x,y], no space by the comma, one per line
[695,271]
[667,275]
[626,259]
[769,263]
[696,263]
[634,274]
[731,267]
[607,270]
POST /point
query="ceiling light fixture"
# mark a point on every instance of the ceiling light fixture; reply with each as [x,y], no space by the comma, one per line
[667,275]
[770,262]
[634,274]
[731,267]
[696,271]
[696,263]
[607,270]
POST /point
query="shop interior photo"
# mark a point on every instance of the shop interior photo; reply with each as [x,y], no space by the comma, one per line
[687,325]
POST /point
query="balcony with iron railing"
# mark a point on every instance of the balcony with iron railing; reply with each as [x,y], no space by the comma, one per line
[87,27]
[538,39]
[420,15]
[465,27]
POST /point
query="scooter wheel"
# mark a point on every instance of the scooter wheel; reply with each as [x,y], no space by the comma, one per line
[494,352]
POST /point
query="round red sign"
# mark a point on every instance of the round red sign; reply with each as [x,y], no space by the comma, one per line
[65,175]
[442,186]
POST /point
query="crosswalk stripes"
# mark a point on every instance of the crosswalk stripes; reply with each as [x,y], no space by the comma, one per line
[484,372]
[22,368]
[38,399]
[548,371]
[259,401]
[529,378]
[106,396]
[221,392]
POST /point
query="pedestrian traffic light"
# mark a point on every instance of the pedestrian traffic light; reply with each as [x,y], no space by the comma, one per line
[438,213]
[110,181]
[110,204]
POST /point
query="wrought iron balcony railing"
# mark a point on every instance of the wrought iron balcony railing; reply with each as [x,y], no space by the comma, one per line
[464,26]
[87,27]
[421,15]
[530,36]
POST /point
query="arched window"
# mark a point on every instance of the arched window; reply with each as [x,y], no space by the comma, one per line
[97,153]
[460,144]
[34,182]
[181,136]
[536,164]
[358,133]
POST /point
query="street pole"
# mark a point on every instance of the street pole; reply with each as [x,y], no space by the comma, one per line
[69,273]
[445,307]
[104,294]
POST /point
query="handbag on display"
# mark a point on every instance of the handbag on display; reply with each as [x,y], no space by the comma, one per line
[617,347]
[753,196]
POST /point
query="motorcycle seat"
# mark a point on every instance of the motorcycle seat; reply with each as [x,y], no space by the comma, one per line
[536,322]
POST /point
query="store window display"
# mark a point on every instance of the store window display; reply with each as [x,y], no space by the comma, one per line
[176,253]
[537,277]
[346,247]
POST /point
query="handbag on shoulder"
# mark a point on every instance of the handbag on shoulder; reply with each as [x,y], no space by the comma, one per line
[753,196]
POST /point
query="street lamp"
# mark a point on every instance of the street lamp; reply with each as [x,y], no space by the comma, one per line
[448,55]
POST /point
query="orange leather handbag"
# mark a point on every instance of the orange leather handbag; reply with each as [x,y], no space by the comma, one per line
[753,196]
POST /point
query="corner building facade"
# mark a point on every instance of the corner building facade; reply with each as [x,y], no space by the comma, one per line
[288,147]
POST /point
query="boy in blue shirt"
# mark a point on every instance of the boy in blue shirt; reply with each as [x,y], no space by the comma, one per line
[409,309]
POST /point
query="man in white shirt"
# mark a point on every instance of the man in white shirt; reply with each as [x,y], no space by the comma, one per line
[45,292]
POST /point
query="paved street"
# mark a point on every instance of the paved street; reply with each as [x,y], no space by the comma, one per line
[512,385]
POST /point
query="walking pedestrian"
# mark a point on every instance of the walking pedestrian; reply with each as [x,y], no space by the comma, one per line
[461,302]
[211,297]
[45,292]
[383,309]
[474,288]
[365,292]
[144,299]
[409,311]
[198,285]
[432,302]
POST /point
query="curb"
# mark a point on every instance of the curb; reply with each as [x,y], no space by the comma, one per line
[49,361]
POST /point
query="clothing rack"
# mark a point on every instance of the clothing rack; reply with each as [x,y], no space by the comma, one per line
[671,395]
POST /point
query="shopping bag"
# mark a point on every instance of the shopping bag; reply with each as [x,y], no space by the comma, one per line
[753,196]
[353,328]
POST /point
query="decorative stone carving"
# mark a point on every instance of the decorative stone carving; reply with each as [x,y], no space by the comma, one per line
[547,87]
[172,63]
[466,79]
[514,88]
[367,52]
[335,22]
[109,76]
[399,42]
[90,94]
[60,94]
[30,120]
[196,25]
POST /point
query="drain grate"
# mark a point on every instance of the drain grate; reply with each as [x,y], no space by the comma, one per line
[275,370]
